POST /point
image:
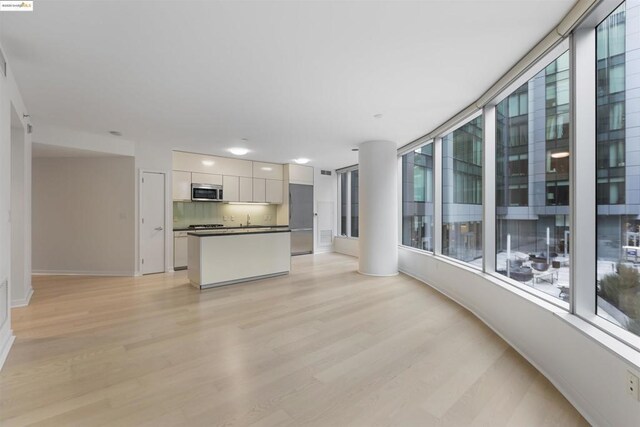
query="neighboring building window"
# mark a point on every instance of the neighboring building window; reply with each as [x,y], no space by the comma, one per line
[462,191]
[618,170]
[354,203]
[417,198]
[349,210]
[532,182]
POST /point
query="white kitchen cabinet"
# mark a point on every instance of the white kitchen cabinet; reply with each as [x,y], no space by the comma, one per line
[246,189]
[259,190]
[299,174]
[267,170]
[206,178]
[202,163]
[274,191]
[181,185]
[230,188]
[236,167]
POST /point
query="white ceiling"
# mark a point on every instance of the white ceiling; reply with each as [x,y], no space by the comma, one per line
[297,78]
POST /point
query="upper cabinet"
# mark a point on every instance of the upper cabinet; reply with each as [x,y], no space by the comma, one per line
[181,185]
[299,174]
[241,180]
[274,191]
[231,188]
[267,170]
[259,190]
[246,189]
[201,163]
[206,178]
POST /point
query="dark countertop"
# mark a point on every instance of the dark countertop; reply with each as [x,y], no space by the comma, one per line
[238,231]
[231,228]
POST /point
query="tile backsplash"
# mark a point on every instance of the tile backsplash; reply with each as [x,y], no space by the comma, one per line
[187,213]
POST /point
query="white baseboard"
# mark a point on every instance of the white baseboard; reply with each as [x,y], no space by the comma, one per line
[6,346]
[81,273]
[570,393]
[323,250]
[24,301]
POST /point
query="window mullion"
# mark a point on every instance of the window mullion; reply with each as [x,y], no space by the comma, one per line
[489,191]
[437,196]
[583,174]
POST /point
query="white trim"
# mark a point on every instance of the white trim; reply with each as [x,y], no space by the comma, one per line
[6,347]
[570,388]
[378,275]
[23,302]
[82,273]
[565,389]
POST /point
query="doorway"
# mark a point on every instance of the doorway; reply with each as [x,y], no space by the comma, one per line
[20,279]
[152,223]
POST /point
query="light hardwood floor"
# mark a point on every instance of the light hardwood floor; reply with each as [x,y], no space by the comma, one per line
[323,346]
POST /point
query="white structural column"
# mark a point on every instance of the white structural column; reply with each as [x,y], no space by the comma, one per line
[378,193]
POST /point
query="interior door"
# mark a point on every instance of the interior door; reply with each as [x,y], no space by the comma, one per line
[152,222]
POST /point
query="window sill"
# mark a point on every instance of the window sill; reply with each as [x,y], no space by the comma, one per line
[619,342]
[345,237]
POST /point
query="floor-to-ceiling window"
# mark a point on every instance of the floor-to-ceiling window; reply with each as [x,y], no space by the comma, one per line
[417,198]
[618,167]
[532,181]
[342,177]
[349,203]
[462,193]
[354,204]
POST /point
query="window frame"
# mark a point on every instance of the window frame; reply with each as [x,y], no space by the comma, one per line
[581,44]
[413,147]
[345,174]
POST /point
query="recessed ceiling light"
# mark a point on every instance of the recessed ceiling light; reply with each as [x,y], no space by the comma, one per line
[560,154]
[266,168]
[115,133]
[207,162]
[301,161]
[377,116]
[238,151]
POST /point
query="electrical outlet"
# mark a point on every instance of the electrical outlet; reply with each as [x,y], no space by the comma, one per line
[632,385]
[233,218]
[225,218]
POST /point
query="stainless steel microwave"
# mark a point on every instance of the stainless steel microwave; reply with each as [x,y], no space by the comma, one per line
[206,193]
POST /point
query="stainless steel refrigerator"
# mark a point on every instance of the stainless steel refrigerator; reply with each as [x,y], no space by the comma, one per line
[301,218]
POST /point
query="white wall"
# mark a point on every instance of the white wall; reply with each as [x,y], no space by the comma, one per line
[10,96]
[564,348]
[84,215]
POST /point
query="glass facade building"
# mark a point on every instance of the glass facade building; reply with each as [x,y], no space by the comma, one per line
[462,193]
[618,167]
[532,181]
[417,198]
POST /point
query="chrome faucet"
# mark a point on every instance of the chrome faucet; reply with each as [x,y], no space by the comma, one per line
[248,220]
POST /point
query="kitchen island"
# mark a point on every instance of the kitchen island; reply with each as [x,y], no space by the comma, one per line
[224,257]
